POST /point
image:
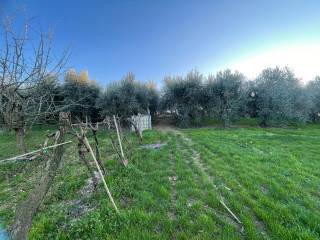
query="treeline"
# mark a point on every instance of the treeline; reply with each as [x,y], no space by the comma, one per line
[85,99]
[275,97]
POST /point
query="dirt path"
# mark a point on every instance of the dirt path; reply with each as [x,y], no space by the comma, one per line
[167,128]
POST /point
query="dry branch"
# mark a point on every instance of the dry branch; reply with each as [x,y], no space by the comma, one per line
[232,214]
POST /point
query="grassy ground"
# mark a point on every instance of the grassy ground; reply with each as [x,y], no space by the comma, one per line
[269,178]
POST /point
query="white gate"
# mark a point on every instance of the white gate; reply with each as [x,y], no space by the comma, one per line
[142,121]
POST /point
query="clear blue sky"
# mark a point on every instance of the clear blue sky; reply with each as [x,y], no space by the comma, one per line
[158,38]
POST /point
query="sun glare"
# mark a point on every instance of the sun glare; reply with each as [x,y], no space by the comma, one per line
[303,59]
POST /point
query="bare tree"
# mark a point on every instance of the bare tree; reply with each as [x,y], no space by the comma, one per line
[26,64]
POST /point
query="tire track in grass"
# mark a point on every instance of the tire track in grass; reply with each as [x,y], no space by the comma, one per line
[255,219]
[186,147]
[173,178]
[172,214]
[259,224]
[255,216]
[195,156]
[282,167]
[219,217]
[260,175]
[192,201]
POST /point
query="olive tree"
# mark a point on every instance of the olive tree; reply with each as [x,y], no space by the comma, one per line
[80,95]
[128,97]
[224,95]
[313,91]
[153,97]
[183,96]
[280,97]
[250,90]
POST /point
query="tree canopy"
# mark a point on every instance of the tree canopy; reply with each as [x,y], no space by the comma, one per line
[128,97]
[80,95]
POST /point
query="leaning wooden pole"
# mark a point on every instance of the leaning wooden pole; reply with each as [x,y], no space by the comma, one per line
[82,150]
[86,142]
[125,162]
[33,152]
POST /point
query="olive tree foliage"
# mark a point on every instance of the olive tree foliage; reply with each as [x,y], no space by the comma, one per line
[313,92]
[80,95]
[153,97]
[26,64]
[224,95]
[183,96]
[128,97]
[280,97]
[250,91]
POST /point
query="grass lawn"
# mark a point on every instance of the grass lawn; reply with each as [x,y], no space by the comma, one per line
[269,178]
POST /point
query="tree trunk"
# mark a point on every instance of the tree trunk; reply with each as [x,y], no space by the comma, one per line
[20,140]
[137,131]
[94,132]
[26,211]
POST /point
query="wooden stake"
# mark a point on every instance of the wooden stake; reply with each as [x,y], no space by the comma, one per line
[233,215]
[86,142]
[125,162]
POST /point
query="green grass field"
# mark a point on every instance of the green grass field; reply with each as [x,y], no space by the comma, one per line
[269,178]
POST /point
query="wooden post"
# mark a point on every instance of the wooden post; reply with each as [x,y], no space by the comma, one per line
[124,160]
[86,142]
